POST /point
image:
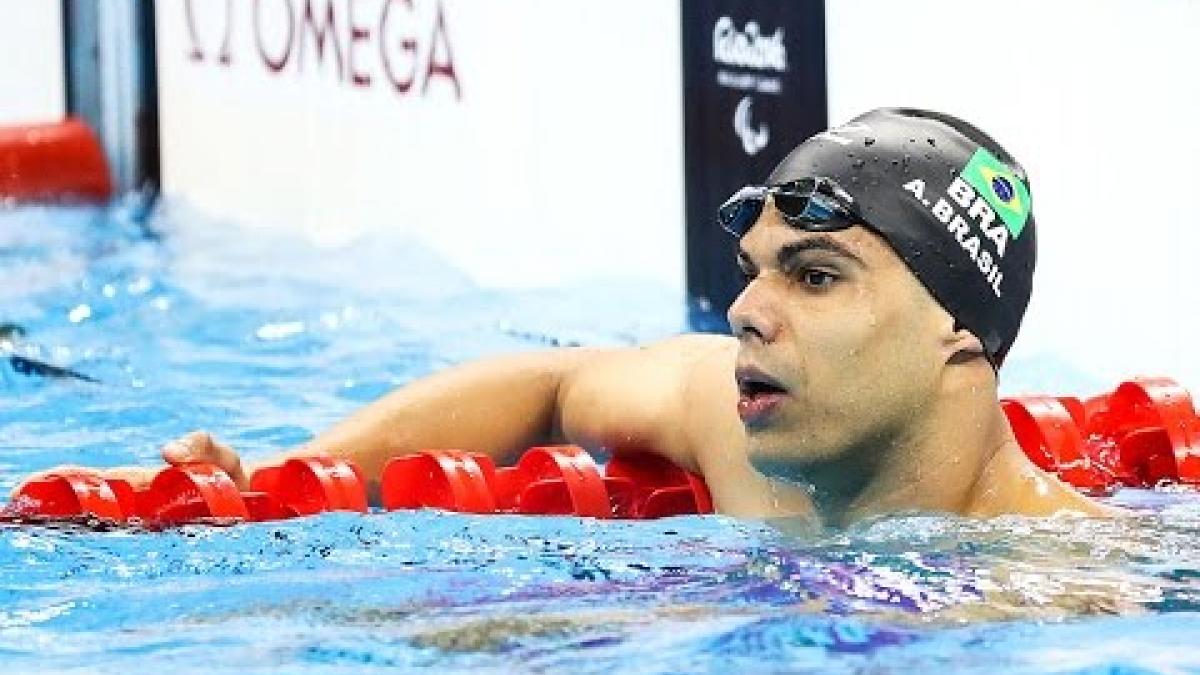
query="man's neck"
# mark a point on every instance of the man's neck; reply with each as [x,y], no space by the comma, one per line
[933,464]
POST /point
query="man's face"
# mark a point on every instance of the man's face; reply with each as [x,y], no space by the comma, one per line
[840,345]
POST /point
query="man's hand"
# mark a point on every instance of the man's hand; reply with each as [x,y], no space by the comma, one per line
[198,446]
[137,476]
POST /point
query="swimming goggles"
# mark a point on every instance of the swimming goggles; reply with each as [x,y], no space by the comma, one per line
[810,204]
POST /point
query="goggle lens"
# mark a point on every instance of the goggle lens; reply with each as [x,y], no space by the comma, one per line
[811,204]
[740,211]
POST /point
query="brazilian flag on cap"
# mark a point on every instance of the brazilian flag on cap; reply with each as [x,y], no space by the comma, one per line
[1001,188]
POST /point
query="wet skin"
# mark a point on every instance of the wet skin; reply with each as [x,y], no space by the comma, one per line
[845,392]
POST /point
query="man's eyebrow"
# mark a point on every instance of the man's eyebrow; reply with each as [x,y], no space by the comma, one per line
[820,242]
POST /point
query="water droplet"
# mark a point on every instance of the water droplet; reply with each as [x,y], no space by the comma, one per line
[932,142]
[858,164]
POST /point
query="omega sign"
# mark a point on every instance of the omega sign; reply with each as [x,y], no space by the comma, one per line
[403,45]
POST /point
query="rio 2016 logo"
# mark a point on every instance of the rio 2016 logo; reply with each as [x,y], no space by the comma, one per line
[390,43]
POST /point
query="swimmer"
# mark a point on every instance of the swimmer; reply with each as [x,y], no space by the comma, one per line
[888,265]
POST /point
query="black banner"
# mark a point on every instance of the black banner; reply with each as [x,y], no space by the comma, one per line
[753,87]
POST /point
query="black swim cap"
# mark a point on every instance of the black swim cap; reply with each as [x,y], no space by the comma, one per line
[948,199]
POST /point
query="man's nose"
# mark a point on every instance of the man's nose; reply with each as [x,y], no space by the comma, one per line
[750,315]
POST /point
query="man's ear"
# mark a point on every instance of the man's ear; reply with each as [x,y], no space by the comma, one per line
[960,345]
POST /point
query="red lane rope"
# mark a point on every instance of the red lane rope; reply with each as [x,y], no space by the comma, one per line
[1142,434]
[549,480]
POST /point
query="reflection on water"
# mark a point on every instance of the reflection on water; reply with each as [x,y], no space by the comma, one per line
[426,588]
[266,341]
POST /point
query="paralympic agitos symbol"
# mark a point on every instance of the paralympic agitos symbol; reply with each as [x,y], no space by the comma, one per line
[753,138]
[412,49]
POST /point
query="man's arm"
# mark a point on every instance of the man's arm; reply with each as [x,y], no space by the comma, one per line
[622,399]
[674,398]
[630,399]
[498,406]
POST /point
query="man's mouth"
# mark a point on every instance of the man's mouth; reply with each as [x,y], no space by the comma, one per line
[759,395]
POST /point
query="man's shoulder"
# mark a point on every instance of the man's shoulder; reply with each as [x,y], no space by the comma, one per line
[1014,485]
[651,397]
[667,365]
[695,366]
[693,345]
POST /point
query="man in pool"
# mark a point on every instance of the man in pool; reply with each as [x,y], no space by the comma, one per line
[888,264]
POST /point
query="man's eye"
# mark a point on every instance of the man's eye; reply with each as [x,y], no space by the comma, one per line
[817,278]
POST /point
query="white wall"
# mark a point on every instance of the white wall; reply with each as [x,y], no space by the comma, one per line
[31,70]
[1099,100]
[559,158]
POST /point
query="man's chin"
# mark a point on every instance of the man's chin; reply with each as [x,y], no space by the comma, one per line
[771,455]
[775,453]
[780,468]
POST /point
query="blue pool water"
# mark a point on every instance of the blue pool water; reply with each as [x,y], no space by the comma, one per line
[188,322]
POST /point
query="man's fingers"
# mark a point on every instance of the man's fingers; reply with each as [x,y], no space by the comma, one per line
[193,447]
[200,446]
